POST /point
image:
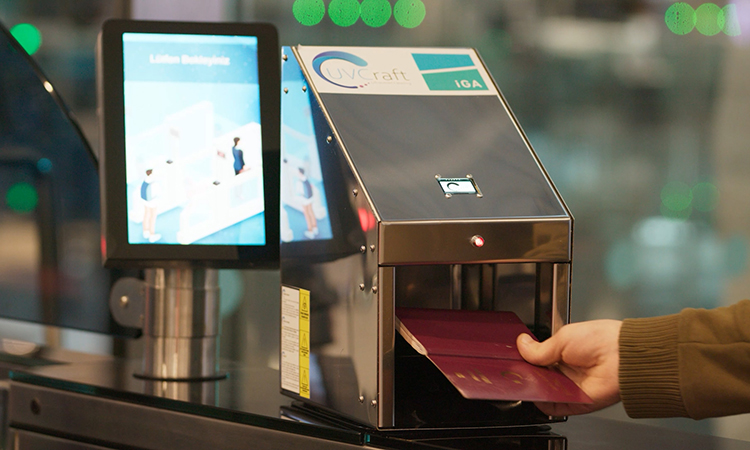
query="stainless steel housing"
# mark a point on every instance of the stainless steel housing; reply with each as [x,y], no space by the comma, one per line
[396,239]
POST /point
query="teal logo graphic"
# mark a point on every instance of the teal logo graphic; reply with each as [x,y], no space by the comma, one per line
[350,77]
[449,72]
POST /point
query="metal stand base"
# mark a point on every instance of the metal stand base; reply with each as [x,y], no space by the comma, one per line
[181,325]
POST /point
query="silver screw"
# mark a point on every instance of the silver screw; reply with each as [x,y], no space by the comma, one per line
[124,301]
[374,403]
[361,398]
[468,175]
[286,90]
[363,249]
[437,176]
[372,247]
[374,289]
[304,88]
[284,57]
[329,139]
[355,192]
[361,286]
[448,195]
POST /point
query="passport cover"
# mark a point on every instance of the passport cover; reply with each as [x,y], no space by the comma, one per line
[476,351]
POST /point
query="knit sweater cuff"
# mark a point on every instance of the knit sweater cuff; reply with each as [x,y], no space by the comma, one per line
[649,374]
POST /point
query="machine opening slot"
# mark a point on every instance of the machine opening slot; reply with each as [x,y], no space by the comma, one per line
[423,395]
[516,287]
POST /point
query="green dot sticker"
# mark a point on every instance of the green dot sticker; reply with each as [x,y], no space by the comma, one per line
[409,13]
[376,13]
[22,198]
[680,18]
[728,20]
[707,19]
[676,196]
[705,197]
[309,12]
[344,13]
[28,36]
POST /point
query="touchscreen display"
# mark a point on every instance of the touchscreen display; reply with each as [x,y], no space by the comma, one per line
[193,151]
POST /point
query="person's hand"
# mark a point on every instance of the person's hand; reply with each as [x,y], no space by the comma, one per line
[588,354]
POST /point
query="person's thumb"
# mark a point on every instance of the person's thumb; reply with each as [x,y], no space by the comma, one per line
[544,353]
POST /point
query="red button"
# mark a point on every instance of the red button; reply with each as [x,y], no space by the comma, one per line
[477,241]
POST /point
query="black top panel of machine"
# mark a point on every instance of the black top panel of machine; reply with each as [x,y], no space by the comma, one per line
[401,144]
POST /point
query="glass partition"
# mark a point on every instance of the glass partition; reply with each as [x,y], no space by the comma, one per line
[641,121]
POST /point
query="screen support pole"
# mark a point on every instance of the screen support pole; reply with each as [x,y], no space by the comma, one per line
[181,325]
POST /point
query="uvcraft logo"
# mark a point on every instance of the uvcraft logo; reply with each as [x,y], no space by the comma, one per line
[349,71]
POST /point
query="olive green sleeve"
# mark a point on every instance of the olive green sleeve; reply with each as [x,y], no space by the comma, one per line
[692,364]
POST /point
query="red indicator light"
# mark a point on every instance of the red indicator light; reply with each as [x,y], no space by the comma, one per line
[477,241]
[366,219]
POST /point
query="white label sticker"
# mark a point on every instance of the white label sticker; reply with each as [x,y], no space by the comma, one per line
[396,71]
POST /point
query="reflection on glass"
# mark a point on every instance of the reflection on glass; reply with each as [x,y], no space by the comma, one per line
[304,208]
[50,269]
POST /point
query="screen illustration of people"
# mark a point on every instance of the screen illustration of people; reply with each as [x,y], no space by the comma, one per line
[304,208]
[193,140]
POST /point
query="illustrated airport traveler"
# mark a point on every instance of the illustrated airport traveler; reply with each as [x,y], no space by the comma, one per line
[305,192]
[692,364]
[239,159]
[149,195]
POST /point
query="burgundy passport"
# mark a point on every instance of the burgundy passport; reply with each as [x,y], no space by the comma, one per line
[476,351]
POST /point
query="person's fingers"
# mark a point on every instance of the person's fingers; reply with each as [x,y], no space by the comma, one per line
[544,353]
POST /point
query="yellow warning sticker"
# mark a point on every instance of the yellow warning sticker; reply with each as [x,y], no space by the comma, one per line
[304,343]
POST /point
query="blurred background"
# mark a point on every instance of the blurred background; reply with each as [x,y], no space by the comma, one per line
[639,110]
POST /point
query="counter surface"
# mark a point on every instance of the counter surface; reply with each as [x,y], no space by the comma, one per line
[248,405]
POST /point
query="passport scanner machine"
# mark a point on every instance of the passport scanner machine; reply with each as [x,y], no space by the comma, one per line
[416,231]
[413,211]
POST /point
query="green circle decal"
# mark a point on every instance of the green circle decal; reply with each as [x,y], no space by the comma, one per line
[22,198]
[376,13]
[28,36]
[309,12]
[344,13]
[707,19]
[705,197]
[676,196]
[409,13]
[682,214]
[728,20]
[680,18]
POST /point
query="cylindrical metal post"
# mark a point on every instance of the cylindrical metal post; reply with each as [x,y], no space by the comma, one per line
[181,326]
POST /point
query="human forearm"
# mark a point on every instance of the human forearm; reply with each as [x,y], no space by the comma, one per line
[693,364]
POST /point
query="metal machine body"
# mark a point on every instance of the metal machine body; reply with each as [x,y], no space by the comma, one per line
[407,182]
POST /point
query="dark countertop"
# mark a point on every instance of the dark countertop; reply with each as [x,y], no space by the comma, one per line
[251,396]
